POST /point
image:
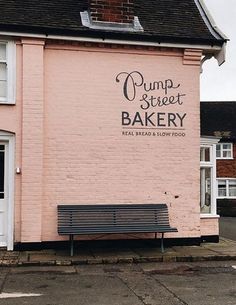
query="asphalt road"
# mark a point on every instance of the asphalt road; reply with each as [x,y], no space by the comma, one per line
[228,228]
[145,284]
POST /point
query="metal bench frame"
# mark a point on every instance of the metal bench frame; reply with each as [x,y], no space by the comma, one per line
[113,219]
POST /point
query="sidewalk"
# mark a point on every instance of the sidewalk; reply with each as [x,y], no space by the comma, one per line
[224,250]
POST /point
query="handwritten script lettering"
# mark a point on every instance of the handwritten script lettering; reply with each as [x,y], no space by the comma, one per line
[134,81]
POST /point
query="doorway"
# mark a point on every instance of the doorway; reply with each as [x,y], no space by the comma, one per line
[6,189]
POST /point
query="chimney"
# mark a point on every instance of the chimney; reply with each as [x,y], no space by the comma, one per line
[115,11]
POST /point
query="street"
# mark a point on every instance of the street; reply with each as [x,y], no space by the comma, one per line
[228,227]
[202,283]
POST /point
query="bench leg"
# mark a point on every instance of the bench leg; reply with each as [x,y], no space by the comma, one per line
[162,242]
[71,245]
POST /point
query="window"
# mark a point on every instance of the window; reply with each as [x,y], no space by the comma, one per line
[205,154]
[206,179]
[206,190]
[224,151]
[7,72]
[208,185]
[226,188]
[3,71]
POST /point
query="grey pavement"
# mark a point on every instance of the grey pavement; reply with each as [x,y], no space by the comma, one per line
[116,253]
[198,283]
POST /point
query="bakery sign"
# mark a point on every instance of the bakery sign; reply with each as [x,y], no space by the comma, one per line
[152,101]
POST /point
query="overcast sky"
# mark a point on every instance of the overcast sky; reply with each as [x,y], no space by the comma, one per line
[219,83]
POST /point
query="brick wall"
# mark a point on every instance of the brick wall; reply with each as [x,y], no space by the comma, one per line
[227,168]
[88,160]
[32,139]
[120,11]
[209,226]
[70,144]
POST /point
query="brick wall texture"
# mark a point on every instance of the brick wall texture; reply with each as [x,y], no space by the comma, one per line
[120,11]
[71,145]
[227,168]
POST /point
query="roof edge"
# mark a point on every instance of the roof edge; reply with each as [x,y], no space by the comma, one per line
[214,30]
[209,21]
[120,40]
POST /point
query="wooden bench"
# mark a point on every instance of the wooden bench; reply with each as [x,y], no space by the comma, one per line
[113,218]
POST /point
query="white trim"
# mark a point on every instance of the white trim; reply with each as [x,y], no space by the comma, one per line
[10,139]
[11,72]
[209,48]
[204,216]
[206,141]
[214,184]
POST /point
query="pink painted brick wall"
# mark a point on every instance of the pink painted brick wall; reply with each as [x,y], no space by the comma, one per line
[69,141]
[32,140]
[209,226]
[86,157]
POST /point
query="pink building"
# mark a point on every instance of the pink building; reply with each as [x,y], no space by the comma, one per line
[99,103]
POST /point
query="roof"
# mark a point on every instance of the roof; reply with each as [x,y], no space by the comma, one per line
[162,20]
[218,119]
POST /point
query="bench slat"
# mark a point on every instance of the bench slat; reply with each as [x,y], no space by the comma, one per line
[113,219]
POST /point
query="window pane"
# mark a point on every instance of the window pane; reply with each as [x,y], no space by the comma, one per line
[3,88]
[222,188]
[217,153]
[226,154]
[205,154]
[2,52]
[205,190]
[232,188]
[3,71]
[1,172]
[226,146]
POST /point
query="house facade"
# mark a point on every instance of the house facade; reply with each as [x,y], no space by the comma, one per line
[99,104]
[218,119]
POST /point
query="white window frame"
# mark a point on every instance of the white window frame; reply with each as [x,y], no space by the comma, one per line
[10,139]
[227,188]
[210,142]
[222,150]
[11,72]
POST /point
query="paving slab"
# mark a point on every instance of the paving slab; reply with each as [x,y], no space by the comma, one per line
[153,252]
[105,254]
[194,251]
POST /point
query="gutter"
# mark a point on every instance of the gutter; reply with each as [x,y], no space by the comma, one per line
[214,30]
[208,48]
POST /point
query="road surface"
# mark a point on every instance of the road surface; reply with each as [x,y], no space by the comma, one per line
[138,284]
[228,228]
